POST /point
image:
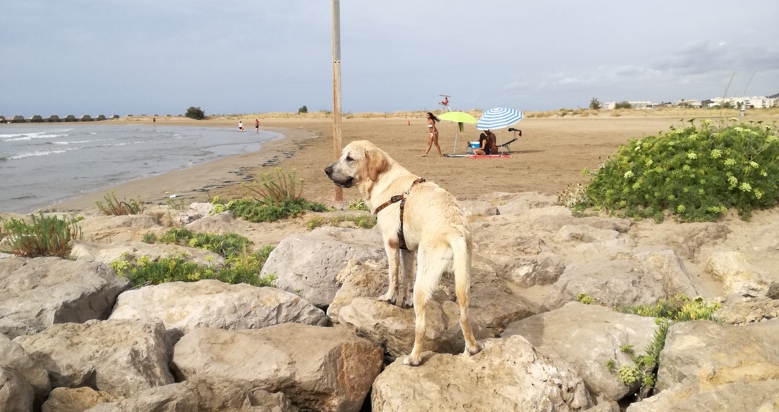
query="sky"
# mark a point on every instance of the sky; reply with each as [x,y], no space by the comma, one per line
[150,57]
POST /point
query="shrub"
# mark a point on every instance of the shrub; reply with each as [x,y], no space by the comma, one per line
[595,104]
[114,207]
[225,245]
[43,236]
[623,105]
[303,109]
[195,113]
[358,204]
[695,173]
[362,221]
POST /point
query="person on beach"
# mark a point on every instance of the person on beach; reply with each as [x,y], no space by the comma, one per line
[256,125]
[484,145]
[431,121]
[240,125]
[493,141]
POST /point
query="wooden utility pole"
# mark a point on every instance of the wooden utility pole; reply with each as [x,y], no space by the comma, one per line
[339,193]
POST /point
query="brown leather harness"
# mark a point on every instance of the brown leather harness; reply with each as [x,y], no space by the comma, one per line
[402,199]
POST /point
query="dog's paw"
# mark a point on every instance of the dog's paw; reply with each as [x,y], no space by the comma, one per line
[388,297]
[472,350]
[412,361]
[407,303]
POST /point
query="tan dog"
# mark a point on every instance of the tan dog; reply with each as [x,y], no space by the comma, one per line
[433,227]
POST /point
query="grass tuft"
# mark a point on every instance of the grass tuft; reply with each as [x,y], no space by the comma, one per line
[114,207]
[42,236]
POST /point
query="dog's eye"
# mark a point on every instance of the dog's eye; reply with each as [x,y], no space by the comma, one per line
[349,158]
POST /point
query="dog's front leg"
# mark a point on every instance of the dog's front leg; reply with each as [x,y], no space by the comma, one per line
[393,256]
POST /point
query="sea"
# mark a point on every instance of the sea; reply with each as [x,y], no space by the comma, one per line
[44,163]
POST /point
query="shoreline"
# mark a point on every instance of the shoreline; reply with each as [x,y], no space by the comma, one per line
[196,183]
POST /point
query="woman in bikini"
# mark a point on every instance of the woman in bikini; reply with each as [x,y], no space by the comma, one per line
[431,121]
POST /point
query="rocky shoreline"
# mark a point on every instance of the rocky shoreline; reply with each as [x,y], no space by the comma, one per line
[74,336]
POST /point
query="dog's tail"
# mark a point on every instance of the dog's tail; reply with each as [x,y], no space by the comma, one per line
[461,246]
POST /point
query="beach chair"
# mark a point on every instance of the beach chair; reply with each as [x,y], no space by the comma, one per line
[507,144]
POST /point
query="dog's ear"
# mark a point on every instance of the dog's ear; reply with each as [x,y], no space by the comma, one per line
[376,164]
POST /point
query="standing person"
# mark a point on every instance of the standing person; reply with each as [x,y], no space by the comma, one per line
[240,125]
[256,125]
[431,121]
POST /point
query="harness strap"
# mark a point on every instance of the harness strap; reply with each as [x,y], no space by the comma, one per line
[402,199]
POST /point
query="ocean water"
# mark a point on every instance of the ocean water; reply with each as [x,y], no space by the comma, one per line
[41,164]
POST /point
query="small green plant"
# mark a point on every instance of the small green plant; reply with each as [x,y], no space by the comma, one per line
[225,245]
[114,207]
[358,204]
[666,312]
[149,238]
[173,205]
[695,173]
[42,236]
[315,223]
[585,299]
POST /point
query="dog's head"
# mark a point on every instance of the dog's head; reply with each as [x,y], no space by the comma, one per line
[360,162]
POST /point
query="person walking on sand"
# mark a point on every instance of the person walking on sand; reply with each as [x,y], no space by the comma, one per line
[256,125]
[240,125]
[431,121]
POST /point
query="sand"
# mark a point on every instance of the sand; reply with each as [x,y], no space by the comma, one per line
[548,158]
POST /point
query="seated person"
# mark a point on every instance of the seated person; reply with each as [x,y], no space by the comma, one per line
[484,145]
[493,141]
[445,102]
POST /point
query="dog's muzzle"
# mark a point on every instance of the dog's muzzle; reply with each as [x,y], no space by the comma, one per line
[345,183]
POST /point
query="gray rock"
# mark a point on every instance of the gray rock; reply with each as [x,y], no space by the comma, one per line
[39,292]
[321,369]
[308,264]
[589,336]
[691,396]
[16,395]
[358,279]
[508,375]
[736,311]
[183,306]
[75,399]
[737,275]
[12,356]
[120,357]
[669,271]
[132,251]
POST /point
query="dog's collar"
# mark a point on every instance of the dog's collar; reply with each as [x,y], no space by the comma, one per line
[402,199]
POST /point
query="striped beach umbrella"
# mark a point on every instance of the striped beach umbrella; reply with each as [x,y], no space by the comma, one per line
[498,118]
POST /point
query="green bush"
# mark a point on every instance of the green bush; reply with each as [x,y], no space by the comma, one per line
[358,204]
[695,173]
[43,236]
[195,113]
[225,245]
[114,207]
[303,109]
[363,221]
[623,105]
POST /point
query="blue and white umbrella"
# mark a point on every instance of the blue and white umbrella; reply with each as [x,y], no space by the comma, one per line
[498,118]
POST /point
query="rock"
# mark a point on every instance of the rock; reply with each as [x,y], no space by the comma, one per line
[668,270]
[203,396]
[588,337]
[321,369]
[308,264]
[75,399]
[183,306]
[508,375]
[736,274]
[478,207]
[693,396]
[38,292]
[16,395]
[120,357]
[748,310]
[111,229]
[612,283]
[12,356]
[358,279]
[131,251]
[711,355]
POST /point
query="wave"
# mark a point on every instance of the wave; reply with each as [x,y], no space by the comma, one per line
[39,153]
[29,136]
[74,142]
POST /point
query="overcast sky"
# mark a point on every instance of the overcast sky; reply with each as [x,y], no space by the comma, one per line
[232,57]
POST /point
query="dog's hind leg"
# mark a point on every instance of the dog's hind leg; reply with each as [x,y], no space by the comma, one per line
[393,256]
[407,278]
[462,285]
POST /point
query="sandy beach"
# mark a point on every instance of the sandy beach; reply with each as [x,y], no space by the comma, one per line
[549,156]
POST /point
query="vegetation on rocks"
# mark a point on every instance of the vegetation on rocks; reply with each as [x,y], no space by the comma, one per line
[241,266]
[696,173]
[271,199]
[115,207]
[363,221]
[41,236]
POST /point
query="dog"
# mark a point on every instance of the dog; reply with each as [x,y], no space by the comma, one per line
[418,219]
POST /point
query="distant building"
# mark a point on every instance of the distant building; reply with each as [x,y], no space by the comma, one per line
[644,105]
[755,102]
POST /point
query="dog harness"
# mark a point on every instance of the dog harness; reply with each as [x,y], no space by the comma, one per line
[402,199]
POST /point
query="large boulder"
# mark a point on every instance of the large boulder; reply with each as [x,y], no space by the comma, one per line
[16,395]
[711,354]
[38,292]
[588,337]
[308,264]
[737,275]
[12,356]
[508,375]
[116,356]
[184,306]
[201,396]
[75,399]
[321,369]
[761,396]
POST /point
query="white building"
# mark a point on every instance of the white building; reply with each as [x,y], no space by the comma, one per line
[755,102]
